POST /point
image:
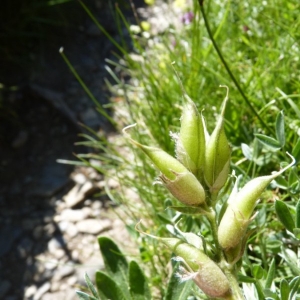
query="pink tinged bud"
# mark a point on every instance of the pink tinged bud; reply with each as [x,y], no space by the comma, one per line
[190,147]
[238,214]
[217,157]
[186,188]
[207,274]
[179,181]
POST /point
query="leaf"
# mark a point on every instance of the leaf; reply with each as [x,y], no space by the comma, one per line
[115,262]
[258,272]
[281,183]
[298,214]
[247,151]
[138,284]
[84,296]
[294,285]
[284,290]
[293,181]
[270,275]
[280,134]
[108,288]
[284,215]
[176,289]
[296,151]
[269,142]
[91,286]
[291,259]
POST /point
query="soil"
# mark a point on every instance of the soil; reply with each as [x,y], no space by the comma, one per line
[42,104]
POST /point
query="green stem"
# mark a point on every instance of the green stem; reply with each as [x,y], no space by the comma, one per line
[235,289]
[228,69]
[211,216]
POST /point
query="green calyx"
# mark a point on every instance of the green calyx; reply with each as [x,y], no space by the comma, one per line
[217,156]
[208,275]
[182,184]
[238,214]
[191,144]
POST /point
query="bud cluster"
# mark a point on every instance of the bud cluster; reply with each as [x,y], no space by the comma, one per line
[195,178]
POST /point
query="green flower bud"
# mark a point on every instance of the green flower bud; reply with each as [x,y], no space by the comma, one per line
[182,184]
[217,157]
[238,214]
[190,145]
[206,273]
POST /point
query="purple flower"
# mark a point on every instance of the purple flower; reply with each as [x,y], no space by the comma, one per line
[187,17]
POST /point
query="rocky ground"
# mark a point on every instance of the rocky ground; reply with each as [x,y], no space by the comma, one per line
[51,213]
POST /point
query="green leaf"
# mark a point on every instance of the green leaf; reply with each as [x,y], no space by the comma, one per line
[293,176]
[298,214]
[246,279]
[91,286]
[296,151]
[270,295]
[284,290]
[282,183]
[108,288]
[115,263]
[294,285]
[138,284]
[270,275]
[284,215]
[247,151]
[84,296]
[176,289]
[268,142]
[258,272]
[280,134]
[291,259]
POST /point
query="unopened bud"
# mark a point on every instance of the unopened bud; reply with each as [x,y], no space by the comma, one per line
[190,146]
[207,274]
[182,184]
[238,214]
[217,157]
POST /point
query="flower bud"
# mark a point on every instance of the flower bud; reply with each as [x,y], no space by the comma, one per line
[217,156]
[190,146]
[207,274]
[238,214]
[176,177]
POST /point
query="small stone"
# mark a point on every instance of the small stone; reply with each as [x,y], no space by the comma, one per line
[30,291]
[49,229]
[51,264]
[72,280]
[73,215]
[63,225]
[78,193]
[79,178]
[59,253]
[63,272]
[53,245]
[93,226]
[5,286]
[96,204]
[42,290]
[72,230]
[55,286]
